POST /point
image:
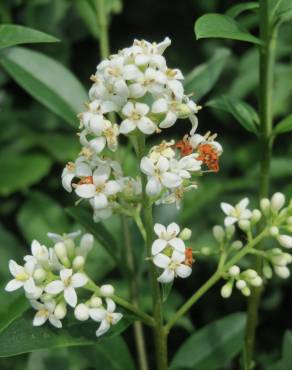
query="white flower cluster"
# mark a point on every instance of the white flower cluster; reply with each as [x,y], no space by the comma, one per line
[242,280]
[50,277]
[135,91]
[170,253]
[170,167]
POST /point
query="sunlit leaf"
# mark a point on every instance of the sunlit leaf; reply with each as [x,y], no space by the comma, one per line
[212,347]
[22,172]
[241,111]
[13,34]
[222,26]
[237,9]
[47,80]
[203,77]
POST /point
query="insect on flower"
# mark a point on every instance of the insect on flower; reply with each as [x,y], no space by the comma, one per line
[189,260]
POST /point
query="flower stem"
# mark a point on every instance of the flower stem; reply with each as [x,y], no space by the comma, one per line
[267,61]
[103,28]
[160,335]
[213,280]
[138,329]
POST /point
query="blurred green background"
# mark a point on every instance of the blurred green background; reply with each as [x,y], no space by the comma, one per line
[36,143]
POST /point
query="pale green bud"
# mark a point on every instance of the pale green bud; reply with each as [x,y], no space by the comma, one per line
[240,284]
[230,230]
[237,244]
[218,233]
[70,247]
[234,271]
[60,310]
[107,290]
[95,302]
[185,234]
[285,241]
[39,275]
[78,263]
[250,274]
[274,231]
[282,271]
[256,215]
[246,291]
[267,271]
[226,290]
[81,312]
[256,282]
[206,251]
[244,225]
[277,202]
[265,206]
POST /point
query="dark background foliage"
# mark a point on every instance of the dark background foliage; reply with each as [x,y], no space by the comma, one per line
[36,143]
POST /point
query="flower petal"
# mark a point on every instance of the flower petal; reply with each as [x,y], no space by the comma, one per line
[15,268]
[85,190]
[227,208]
[55,322]
[100,201]
[183,271]
[146,126]
[159,106]
[39,319]
[173,229]
[55,287]
[66,274]
[159,229]
[153,187]
[128,109]
[103,328]
[161,260]
[158,246]
[112,187]
[242,204]
[166,277]
[177,244]
[97,314]
[13,285]
[147,166]
[79,279]
[170,180]
[230,220]
[127,126]
[70,296]
[116,317]
[110,305]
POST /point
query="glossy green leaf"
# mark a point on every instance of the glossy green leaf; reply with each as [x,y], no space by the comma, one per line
[222,26]
[241,111]
[22,171]
[212,347]
[22,337]
[39,215]
[237,9]
[284,126]
[87,12]
[13,34]
[47,80]
[203,77]
[11,309]
[282,11]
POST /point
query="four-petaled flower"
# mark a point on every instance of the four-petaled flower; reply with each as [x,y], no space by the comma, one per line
[173,266]
[167,237]
[236,213]
[45,312]
[136,114]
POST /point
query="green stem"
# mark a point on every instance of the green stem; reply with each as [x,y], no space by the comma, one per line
[103,28]
[267,61]
[213,280]
[138,329]
[160,334]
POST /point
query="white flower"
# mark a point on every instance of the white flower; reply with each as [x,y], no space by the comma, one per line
[81,312]
[173,266]
[171,109]
[116,91]
[136,114]
[237,213]
[100,188]
[285,241]
[185,165]
[45,312]
[56,238]
[150,81]
[167,237]
[78,169]
[67,284]
[40,254]
[159,175]
[164,149]
[23,278]
[107,290]
[106,317]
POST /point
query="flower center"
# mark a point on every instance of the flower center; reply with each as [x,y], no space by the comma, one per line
[67,282]
[70,166]
[135,116]
[22,276]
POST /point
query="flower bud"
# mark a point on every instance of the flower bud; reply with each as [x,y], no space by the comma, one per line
[226,290]
[185,234]
[282,271]
[78,263]
[240,284]
[277,202]
[244,225]
[285,241]
[265,206]
[218,233]
[107,290]
[246,291]
[274,231]
[256,216]
[250,274]
[86,244]
[256,282]
[60,310]
[234,270]
[95,302]
[206,251]
[230,230]
[289,221]
[39,275]
[237,244]
[46,297]
[267,271]
[70,247]
[60,250]
[81,312]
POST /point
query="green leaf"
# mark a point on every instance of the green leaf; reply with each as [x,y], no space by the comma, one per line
[286,360]
[282,11]
[39,215]
[12,34]
[166,289]
[203,77]
[87,12]
[22,171]
[11,310]
[284,126]
[222,26]
[98,230]
[237,9]
[22,337]
[212,347]
[47,80]
[241,111]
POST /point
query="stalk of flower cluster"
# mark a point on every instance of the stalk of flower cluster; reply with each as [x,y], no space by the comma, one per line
[213,280]
[159,332]
[266,72]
